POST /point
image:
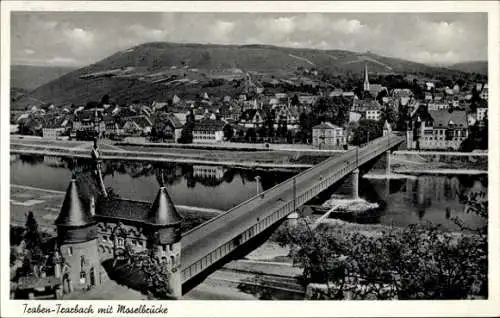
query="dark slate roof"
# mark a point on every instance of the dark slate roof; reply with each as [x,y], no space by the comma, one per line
[209,125]
[74,211]
[162,212]
[443,117]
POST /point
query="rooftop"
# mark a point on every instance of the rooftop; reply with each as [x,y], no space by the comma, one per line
[74,211]
[161,212]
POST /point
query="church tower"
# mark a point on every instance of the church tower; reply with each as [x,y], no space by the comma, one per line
[77,241]
[166,223]
[366,83]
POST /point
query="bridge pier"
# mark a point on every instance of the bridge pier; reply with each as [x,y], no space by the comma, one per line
[388,162]
[355,184]
[293,218]
[257,182]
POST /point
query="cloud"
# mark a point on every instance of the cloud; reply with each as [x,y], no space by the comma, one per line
[147,34]
[79,37]
[88,37]
[347,26]
[220,30]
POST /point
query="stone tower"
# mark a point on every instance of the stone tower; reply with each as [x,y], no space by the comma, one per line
[77,241]
[166,223]
[366,83]
[387,128]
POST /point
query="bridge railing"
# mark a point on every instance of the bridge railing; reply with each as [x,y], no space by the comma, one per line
[390,140]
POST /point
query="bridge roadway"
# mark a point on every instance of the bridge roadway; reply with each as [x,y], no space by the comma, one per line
[211,241]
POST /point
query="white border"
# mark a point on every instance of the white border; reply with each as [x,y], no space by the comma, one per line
[187,308]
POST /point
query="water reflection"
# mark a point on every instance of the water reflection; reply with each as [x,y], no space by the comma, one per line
[402,202]
[426,198]
[208,186]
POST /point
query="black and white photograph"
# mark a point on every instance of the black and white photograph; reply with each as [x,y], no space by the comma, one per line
[290,154]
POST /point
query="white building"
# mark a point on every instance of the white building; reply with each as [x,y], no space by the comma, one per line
[373,114]
[52,132]
[208,131]
[327,136]
[481,112]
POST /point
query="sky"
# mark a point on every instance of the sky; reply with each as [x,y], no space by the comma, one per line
[82,38]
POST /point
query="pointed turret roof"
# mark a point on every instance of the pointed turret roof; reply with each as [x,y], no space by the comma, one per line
[74,212]
[163,211]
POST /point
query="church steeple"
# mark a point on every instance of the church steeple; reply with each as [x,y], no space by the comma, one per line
[366,83]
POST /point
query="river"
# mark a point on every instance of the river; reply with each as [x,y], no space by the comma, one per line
[417,199]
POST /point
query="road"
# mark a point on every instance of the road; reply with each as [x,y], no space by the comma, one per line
[208,237]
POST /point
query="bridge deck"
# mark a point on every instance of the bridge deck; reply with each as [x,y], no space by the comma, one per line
[212,240]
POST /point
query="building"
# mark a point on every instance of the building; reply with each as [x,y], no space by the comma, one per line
[252,118]
[354,117]
[209,172]
[366,82]
[437,106]
[481,113]
[91,233]
[484,92]
[52,132]
[137,125]
[208,131]
[438,130]
[328,136]
[373,113]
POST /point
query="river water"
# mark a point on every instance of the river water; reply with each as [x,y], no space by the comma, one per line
[418,199]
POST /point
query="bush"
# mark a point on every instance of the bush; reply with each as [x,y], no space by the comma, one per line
[418,262]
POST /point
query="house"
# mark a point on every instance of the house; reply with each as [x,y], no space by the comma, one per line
[336,92]
[438,129]
[354,117]
[208,131]
[482,112]
[52,131]
[484,92]
[56,127]
[373,113]
[287,115]
[370,108]
[437,106]
[328,136]
[307,99]
[252,118]
[137,125]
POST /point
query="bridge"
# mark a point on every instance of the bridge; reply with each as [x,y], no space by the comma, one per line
[205,247]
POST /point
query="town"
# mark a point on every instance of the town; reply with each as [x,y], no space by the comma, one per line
[433,114]
[261,156]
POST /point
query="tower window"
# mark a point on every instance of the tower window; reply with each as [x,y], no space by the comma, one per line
[83,276]
[70,251]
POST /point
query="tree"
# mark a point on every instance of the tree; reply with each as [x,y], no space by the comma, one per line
[418,262]
[32,236]
[187,131]
[155,271]
[250,135]
[295,100]
[367,130]
[228,132]
[105,99]
[388,114]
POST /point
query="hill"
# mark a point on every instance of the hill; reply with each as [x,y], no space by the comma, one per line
[158,70]
[480,67]
[28,77]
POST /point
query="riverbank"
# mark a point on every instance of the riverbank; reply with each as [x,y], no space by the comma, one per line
[243,159]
